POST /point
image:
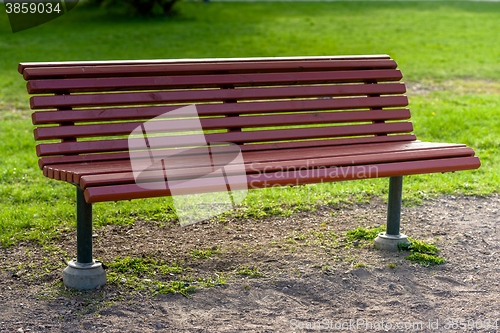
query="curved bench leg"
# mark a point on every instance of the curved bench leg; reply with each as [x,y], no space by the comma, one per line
[389,240]
[84,272]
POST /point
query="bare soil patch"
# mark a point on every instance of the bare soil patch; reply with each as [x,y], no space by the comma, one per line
[457,86]
[309,282]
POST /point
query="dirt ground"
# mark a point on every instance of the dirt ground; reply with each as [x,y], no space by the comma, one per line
[308,284]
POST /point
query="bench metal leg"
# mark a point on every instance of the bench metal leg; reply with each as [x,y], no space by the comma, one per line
[394,205]
[389,240]
[84,272]
[83,229]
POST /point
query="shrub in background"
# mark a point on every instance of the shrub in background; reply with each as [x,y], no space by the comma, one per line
[137,7]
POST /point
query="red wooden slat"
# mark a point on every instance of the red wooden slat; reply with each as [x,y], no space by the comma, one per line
[207,81]
[45,161]
[99,130]
[133,191]
[360,172]
[330,142]
[204,68]
[214,95]
[22,66]
[84,147]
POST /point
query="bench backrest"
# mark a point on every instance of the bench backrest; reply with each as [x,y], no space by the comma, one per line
[88,109]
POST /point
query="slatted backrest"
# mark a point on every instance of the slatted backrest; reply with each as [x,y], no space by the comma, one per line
[88,109]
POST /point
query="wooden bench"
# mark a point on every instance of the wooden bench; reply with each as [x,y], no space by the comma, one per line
[297,120]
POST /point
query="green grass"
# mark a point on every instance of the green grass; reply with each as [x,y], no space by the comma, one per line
[176,287]
[449,45]
[439,40]
[148,274]
[157,277]
[419,246]
[421,252]
[249,272]
[203,254]
[362,233]
[144,266]
[426,259]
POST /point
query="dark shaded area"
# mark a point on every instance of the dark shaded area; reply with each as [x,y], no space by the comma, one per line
[26,15]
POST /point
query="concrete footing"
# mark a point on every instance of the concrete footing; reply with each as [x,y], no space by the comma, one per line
[389,242]
[84,276]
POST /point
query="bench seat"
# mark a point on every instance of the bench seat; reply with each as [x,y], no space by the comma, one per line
[113,180]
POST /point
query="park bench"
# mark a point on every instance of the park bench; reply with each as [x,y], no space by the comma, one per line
[295,120]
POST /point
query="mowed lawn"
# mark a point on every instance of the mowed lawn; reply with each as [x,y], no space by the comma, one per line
[448,52]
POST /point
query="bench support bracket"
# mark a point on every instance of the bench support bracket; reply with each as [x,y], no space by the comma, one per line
[84,272]
[390,239]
